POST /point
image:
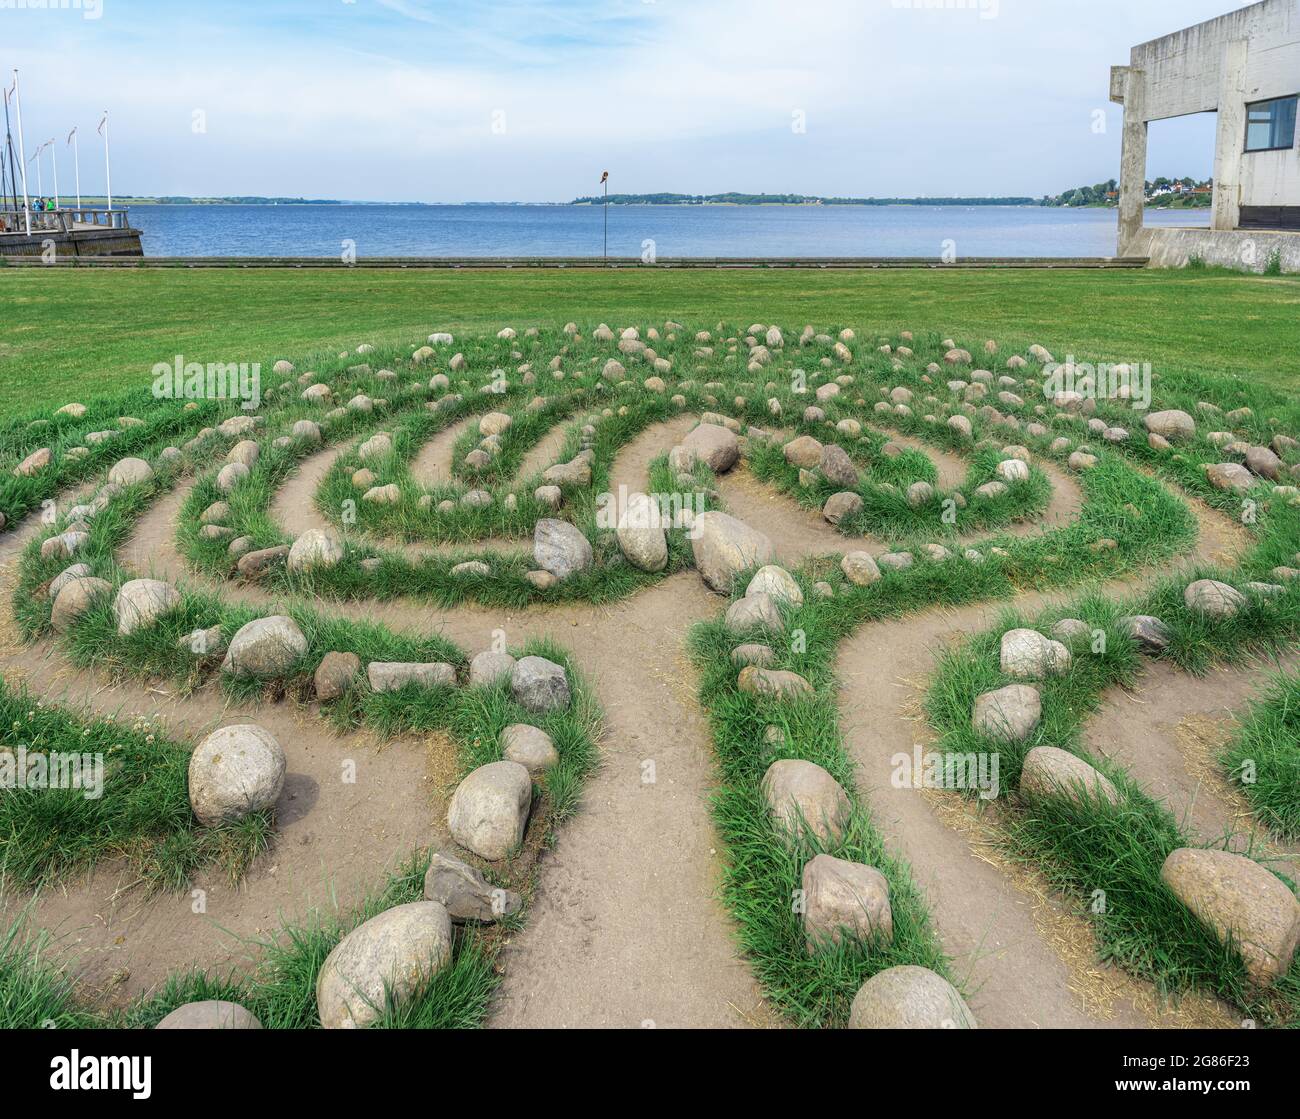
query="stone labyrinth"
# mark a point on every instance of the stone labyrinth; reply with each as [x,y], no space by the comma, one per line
[666,676]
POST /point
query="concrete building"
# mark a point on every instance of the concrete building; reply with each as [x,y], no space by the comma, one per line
[1244,66]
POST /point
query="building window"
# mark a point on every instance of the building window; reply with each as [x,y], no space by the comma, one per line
[1270,125]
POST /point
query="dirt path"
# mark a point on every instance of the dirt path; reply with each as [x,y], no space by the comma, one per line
[431,466]
[1168,730]
[626,926]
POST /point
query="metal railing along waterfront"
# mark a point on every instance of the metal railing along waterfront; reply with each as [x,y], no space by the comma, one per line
[63,220]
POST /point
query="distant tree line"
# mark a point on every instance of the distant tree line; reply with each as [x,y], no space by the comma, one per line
[1185,192]
[733,198]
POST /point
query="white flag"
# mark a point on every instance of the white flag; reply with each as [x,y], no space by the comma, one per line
[103,122]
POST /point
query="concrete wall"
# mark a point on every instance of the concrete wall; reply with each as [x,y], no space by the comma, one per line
[1249,250]
[1218,66]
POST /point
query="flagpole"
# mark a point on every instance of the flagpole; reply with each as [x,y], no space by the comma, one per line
[76,164]
[55,164]
[108,170]
[605,183]
[22,158]
[40,181]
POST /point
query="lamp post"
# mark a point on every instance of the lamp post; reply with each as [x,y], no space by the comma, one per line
[604,182]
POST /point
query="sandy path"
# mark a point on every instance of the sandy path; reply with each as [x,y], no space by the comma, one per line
[626,925]
[1167,731]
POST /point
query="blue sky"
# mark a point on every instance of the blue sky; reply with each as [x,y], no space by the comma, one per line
[528,101]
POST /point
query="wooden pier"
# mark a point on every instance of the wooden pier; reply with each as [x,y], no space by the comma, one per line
[67,234]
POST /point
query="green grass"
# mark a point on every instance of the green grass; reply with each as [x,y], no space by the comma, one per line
[1084,848]
[1264,757]
[142,814]
[78,334]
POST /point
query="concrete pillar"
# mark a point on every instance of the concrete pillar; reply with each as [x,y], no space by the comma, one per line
[1133,163]
[1230,138]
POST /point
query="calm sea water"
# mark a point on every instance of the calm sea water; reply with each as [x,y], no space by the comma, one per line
[676,231]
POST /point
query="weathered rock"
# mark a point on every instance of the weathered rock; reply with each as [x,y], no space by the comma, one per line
[1028,655]
[842,897]
[805,451]
[265,647]
[336,675]
[1213,599]
[1010,714]
[383,963]
[390,676]
[34,463]
[1262,461]
[909,998]
[131,472]
[75,598]
[773,684]
[801,794]
[63,545]
[836,467]
[315,550]
[860,569]
[539,685]
[66,576]
[494,423]
[489,667]
[754,611]
[641,534]
[253,565]
[489,809]
[778,583]
[465,893]
[1049,772]
[141,602]
[234,772]
[1242,902]
[1173,425]
[715,446]
[759,656]
[1229,476]
[723,547]
[840,506]
[530,746]
[210,1014]
[1150,634]
[560,548]
[1013,470]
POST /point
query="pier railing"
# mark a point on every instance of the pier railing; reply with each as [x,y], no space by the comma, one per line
[63,220]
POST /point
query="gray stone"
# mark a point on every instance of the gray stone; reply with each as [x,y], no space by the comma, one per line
[1213,599]
[1150,634]
[1028,655]
[234,772]
[130,472]
[488,667]
[265,648]
[1049,772]
[530,746]
[465,893]
[211,1014]
[841,506]
[1242,902]
[801,794]
[860,569]
[1010,714]
[723,547]
[778,583]
[845,898]
[315,549]
[489,810]
[837,468]
[141,602]
[560,548]
[385,962]
[540,685]
[1173,425]
[640,534]
[754,611]
[390,676]
[909,998]
[715,446]
[75,598]
[772,684]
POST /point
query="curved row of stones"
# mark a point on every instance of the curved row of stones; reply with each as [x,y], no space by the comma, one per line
[1243,902]
[411,940]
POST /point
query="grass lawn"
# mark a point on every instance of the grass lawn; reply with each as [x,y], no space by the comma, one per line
[77,334]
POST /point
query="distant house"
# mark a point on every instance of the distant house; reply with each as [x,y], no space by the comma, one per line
[1244,66]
